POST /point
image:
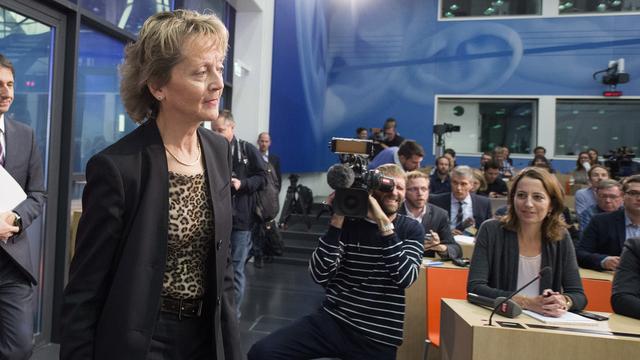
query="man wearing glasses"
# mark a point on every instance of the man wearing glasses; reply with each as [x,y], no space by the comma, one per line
[438,237]
[603,239]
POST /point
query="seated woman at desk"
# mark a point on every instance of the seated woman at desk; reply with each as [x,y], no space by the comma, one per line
[625,298]
[511,251]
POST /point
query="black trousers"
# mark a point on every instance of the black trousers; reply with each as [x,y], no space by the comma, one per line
[319,335]
[178,339]
[16,311]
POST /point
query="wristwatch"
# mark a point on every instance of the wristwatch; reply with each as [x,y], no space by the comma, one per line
[386,227]
[18,222]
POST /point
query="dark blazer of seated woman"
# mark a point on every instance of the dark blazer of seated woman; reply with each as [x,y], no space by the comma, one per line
[625,297]
[494,265]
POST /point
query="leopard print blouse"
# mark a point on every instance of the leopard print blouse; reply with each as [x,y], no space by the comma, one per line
[190,231]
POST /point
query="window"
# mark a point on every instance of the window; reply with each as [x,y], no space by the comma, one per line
[487,123]
[126,14]
[597,6]
[102,119]
[604,125]
[483,8]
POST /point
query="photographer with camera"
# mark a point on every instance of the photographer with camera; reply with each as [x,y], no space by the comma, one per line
[365,264]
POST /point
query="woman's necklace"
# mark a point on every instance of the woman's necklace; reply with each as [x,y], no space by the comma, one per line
[197,160]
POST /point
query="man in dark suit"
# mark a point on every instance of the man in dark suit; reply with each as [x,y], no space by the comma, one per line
[603,239]
[264,143]
[20,157]
[466,211]
[249,176]
[438,237]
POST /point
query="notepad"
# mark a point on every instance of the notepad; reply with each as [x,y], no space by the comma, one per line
[464,239]
[12,193]
[567,318]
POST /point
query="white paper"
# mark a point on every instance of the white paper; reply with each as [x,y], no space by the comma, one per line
[567,318]
[464,239]
[11,193]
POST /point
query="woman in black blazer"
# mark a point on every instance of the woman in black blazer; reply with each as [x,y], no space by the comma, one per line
[511,251]
[625,296]
[151,276]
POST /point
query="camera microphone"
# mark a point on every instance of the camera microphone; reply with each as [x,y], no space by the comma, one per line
[340,176]
[500,306]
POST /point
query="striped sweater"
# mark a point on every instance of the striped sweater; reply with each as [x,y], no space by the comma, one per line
[365,275]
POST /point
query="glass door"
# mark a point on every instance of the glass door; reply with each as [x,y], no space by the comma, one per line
[28,38]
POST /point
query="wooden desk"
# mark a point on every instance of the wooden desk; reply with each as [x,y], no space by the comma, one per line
[466,336]
[450,281]
[415,316]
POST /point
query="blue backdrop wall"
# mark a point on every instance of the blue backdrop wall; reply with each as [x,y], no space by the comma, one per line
[338,65]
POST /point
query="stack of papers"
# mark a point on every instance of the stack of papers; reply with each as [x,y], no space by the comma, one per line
[12,193]
[567,318]
[464,239]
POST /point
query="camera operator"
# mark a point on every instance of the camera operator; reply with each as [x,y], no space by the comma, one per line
[364,264]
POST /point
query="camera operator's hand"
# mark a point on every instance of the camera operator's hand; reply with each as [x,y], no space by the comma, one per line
[336,220]
[376,214]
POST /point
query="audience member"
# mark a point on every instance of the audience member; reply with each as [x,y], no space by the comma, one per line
[540,151]
[542,162]
[466,211]
[362,133]
[586,198]
[602,240]
[451,154]
[409,155]
[580,173]
[625,295]
[439,182]
[249,176]
[593,157]
[20,157]
[510,252]
[391,136]
[507,155]
[485,158]
[499,156]
[479,182]
[608,199]
[496,187]
[363,311]
[438,237]
[149,280]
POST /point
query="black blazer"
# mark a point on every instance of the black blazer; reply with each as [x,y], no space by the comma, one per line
[437,220]
[494,265]
[480,204]
[112,299]
[24,163]
[625,296]
[604,236]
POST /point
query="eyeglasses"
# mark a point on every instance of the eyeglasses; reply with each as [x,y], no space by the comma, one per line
[418,189]
[633,194]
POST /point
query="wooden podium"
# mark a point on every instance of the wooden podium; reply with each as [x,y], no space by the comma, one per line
[466,335]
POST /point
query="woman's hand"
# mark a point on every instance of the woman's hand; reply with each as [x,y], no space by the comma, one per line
[550,303]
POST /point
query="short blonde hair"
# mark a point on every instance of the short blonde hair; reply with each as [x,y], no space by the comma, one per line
[417,174]
[157,50]
[392,170]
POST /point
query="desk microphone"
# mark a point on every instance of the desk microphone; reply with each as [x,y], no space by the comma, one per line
[510,309]
[544,271]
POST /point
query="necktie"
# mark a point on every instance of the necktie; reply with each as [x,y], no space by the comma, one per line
[459,214]
[1,155]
